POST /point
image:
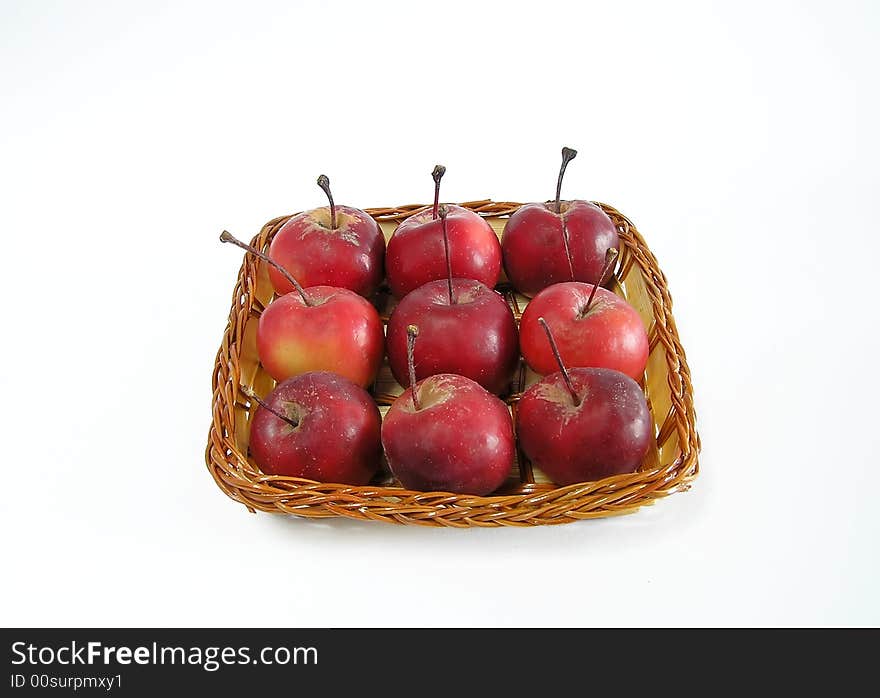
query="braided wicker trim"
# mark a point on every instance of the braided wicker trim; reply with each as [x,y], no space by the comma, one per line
[529,504]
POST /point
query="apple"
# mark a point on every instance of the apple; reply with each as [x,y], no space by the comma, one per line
[593,326]
[555,241]
[415,251]
[583,424]
[474,336]
[336,246]
[446,433]
[322,329]
[465,328]
[319,426]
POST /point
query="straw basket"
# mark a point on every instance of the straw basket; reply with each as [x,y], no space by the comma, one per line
[527,498]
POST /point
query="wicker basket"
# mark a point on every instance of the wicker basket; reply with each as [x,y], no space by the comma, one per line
[527,498]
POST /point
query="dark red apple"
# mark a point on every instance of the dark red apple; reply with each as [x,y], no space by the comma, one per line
[415,251]
[319,426]
[323,328]
[465,328]
[593,327]
[583,424]
[474,337]
[331,246]
[446,433]
[547,243]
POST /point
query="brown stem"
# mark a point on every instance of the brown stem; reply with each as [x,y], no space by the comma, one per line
[437,174]
[443,213]
[226,236]
[568,154]
[411,333]
[253,396]
[565,242]
[610,259]
[555,350]
[324,183]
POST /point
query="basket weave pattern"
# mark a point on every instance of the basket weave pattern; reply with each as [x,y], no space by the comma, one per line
[525,500]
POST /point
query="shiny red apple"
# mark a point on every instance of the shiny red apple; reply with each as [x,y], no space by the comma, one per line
[452,436]
[464,328]
[319,426]
[323,328]
[336,246]
[593,327]
[583,424]
[415,251]
[556,241]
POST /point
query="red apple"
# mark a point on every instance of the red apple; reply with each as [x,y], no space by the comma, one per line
[319,426]
[593,327]
[323,328]
[606,332]
[584,424]
[452,436]
[331,246]
[607,433]
[474,337]
[465,328]
[415,251]
[547,243]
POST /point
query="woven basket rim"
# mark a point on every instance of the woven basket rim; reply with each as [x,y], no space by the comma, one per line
[537,503]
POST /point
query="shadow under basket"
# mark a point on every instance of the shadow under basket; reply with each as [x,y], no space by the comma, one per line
[528,498]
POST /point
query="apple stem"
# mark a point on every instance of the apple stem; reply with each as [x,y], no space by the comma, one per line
[226,236]
[437,174]
[555,350]
[443,213]
[324,183]
[262,403]
[568,154]
[565,242]
[412,331]
[610,259]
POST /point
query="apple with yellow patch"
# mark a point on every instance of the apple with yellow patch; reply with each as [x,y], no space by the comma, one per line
[323,328]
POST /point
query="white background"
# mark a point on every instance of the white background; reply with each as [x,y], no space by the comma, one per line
[742,140]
